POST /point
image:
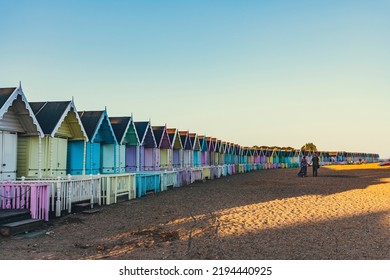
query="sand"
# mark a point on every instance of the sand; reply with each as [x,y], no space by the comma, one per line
[344,213]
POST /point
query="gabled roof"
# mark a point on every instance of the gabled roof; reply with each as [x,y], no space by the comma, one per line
[231,149]
[203,143]
[14,98]
[98,126]
[185,140]
[211,143]
[218,145]
[195,141]
[247,151]
[237,149]
[145,134]
[224,147]
[161,136]
[51,115]
[174,137]
[260,152]
[124,130]
[254,151]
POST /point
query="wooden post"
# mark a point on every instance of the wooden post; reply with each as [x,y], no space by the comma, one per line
[58,202]
[138,157]
[84,157]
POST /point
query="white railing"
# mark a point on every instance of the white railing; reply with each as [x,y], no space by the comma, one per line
[116,185]
[168,179]
[67,190]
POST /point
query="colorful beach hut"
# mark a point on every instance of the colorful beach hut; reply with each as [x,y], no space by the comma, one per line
[203,150]
[128,144]
[229,151]
[210,150]
[217,152]
[62,147]
[164,147]
[196,148]
[177,147]
[17,124]
[149,154]
[187,156]
[101,150]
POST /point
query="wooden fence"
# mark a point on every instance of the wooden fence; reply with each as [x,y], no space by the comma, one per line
[32,196]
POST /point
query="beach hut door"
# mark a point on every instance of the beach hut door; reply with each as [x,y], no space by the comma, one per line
[8,152]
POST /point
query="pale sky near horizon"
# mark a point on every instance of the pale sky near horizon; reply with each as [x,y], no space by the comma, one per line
[275,73]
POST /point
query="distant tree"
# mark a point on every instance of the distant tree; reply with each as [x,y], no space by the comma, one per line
[309,147]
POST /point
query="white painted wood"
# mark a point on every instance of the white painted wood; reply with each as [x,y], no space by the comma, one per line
[8,155]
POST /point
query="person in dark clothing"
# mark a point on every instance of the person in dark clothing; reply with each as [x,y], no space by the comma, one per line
[303,171]
[315,163]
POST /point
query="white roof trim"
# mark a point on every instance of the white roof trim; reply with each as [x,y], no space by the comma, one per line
[18,91]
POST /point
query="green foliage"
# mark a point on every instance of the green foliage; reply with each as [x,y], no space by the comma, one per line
[309,147]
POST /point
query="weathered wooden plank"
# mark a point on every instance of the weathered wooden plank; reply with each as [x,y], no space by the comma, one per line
[20,227]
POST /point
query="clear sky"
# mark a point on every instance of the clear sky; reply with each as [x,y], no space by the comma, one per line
[275,73]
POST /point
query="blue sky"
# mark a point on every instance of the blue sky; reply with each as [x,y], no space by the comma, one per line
[270,73]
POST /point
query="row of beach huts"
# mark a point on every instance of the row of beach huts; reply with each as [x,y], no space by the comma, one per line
[53,156]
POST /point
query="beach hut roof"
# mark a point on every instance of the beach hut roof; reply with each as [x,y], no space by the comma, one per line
[98,126]
[14,98]
[203,143]
[211,143]
[195,141]
[145,132]
[124,130]
[218,145]
[161,136]
[52,114]
[173,134]
[185,140]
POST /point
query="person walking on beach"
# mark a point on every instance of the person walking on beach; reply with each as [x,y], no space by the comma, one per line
[315,163]
[303,171]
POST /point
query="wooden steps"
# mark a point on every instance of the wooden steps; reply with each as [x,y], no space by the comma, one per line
[22,226]
[17,221]
[86,207]
[13,215]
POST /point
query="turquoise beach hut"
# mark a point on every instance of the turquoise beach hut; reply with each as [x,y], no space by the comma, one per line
[196,148]
[101,148]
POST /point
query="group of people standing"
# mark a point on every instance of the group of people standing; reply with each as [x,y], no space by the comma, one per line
[315,163]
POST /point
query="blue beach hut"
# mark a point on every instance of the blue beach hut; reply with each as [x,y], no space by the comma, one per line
[196,148]
[101,148]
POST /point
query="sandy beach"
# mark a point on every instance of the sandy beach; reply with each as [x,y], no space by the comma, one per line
[344,213]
